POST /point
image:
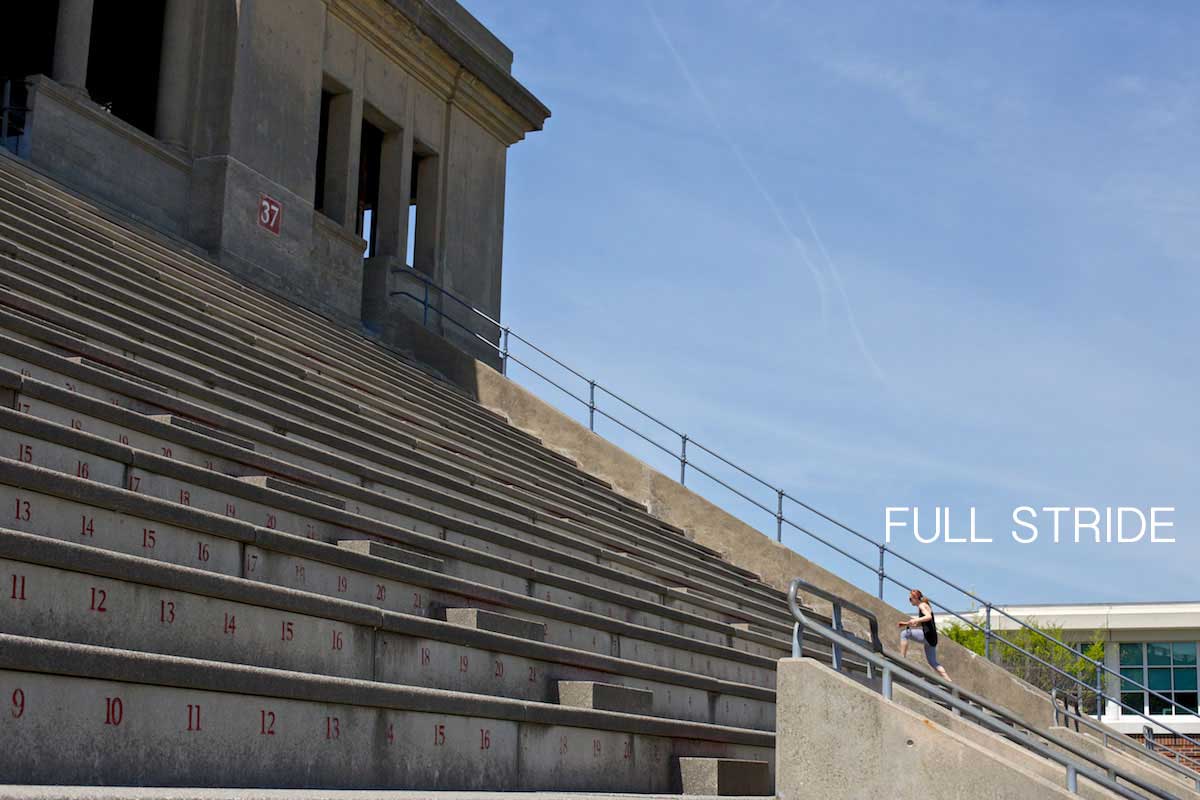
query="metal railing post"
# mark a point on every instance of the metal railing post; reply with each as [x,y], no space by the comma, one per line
[779,515]
[1072,779]
[425,308]
[683,459]
[1099,691]
[504,353]
[1148,737]
[886,688]
[591,405]
[837,648]
[987,632]
[882,574]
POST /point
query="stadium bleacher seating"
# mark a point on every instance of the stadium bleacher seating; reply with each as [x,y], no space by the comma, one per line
[246,547]
[246,541]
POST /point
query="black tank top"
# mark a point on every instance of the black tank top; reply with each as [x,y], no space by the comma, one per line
[930,629]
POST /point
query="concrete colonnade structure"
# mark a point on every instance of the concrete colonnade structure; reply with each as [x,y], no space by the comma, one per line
[282,128]
[72,42]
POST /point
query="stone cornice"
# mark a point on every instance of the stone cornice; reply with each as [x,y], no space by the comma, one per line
[429,49]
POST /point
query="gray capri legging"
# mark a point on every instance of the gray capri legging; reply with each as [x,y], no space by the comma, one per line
[918,635]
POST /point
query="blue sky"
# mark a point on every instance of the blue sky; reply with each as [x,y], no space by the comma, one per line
[887,254]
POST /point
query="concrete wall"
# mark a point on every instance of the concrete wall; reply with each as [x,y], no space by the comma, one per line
[837,739]
[105,157]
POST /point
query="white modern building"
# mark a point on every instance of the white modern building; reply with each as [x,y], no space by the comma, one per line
[1152,644]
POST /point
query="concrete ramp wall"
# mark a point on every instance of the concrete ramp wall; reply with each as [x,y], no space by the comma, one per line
[838,740]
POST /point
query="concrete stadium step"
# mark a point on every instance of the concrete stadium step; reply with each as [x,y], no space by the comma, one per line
[72,451]
[53,231]
[61,199]
[254,726]
[605,696]
[179,368]
[294,561]
[82,379]
[398,554]
[574,528]
[714,777]
[139,286]
[482,620]
[73,592]
[634,505]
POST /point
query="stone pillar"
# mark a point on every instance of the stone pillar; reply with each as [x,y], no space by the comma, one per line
[175,74]
[341,158]
[72,40]
[429,184]
[395,187]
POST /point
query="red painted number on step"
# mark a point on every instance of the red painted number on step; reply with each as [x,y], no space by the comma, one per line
[270,213]
[266,723]
[439,735]
[193,718]
[18,703]
[391,734]
[25,453]
[333,728]
[114,711]
[485,739]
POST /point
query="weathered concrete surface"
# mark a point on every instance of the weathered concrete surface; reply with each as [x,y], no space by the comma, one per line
[712,777]
[496,623]
[605,697]
[838,740]
[993,742]
[1125,759]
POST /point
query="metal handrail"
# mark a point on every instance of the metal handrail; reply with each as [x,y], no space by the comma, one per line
[503,351]
[963,703]
[1150,750]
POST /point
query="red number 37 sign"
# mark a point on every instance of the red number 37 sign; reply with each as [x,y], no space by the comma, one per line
[270,213]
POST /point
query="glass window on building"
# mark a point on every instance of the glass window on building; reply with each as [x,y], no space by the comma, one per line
[1165,668]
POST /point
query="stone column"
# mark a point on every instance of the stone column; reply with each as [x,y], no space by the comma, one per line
[342,151]
[175,74]
[395,186]
[72,40]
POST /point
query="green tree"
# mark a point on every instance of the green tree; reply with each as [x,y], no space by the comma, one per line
[1010,648]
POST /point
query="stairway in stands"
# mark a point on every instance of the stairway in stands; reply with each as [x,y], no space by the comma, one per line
[247,547]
